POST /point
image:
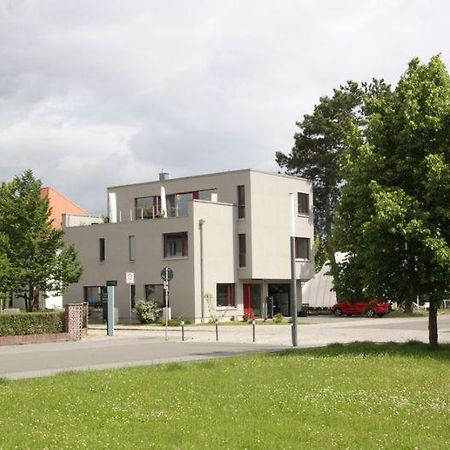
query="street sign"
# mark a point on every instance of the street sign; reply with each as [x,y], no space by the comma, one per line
[111,283]
[129,277]
[166,274]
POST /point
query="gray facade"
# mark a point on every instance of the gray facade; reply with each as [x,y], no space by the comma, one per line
[244,256]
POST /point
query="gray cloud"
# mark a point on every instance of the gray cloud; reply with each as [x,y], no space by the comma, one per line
[97,93]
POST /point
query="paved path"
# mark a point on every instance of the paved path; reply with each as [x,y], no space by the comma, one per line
[137,346]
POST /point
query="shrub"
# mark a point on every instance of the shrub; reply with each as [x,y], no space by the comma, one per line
[278,318]
[19,324]
[245,318]
[147,311]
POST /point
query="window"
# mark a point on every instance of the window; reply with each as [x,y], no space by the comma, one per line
[225,294]
[131,248]
[101,243]
[301,248]
[147,207]
[241,201]
[303,203]
[175,245]
[132,296]
[95,295]
[206,194]
[155,292]
[242,251]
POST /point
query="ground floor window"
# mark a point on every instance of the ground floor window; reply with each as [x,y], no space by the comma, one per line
[155,292]
[225,294]
[132,296]
[94,295]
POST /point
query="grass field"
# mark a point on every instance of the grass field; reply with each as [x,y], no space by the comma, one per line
[357,396]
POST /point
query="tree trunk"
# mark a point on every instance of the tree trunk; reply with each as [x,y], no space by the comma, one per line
[28,298]
[432,323]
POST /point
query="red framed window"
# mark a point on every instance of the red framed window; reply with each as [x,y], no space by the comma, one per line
[225,294]
[175,245]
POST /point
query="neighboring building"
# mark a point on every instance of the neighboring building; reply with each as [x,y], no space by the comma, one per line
[60,206]
[226,238]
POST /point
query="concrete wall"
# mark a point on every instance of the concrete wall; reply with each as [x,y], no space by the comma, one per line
[147,266]
[270,222]
[219,253]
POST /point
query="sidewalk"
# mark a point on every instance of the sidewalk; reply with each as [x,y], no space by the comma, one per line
[146,345]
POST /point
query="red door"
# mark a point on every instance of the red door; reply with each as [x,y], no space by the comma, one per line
[248,300]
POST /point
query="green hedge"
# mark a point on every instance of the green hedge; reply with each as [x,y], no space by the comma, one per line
[18,324]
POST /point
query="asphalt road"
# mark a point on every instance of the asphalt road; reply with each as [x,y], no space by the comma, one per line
[139,346]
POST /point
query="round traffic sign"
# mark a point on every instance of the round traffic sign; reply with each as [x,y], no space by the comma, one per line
[166,274]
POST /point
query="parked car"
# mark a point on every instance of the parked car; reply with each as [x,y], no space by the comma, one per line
[370,309]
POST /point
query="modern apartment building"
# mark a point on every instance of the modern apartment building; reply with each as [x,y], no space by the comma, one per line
[224,235]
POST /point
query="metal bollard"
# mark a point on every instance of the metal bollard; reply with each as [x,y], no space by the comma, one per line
[217,330]
[182,330]
[254,329]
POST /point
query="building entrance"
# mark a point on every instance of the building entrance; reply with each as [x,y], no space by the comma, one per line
[281,298]
[252,300]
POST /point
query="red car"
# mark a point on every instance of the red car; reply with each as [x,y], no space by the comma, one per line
[370,309]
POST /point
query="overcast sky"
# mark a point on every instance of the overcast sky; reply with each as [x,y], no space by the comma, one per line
[95,93]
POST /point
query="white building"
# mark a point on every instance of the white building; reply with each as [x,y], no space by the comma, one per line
[224,235]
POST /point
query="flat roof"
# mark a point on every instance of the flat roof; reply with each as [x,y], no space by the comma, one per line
[168,180]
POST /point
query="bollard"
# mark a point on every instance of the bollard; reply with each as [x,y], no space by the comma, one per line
[217,330]
[182,330]
[254,329]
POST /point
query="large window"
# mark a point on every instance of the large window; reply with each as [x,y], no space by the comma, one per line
[301,248]
[206,194]
[175,245]
[148,207]
[241,201]
[302,203]
[242,251]
[101,250]
[225,294]
[131,248]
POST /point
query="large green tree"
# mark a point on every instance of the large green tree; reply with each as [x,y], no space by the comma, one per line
[394,217]
[38,261]
[316,154]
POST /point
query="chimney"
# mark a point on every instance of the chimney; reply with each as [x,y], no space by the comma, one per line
[163,176]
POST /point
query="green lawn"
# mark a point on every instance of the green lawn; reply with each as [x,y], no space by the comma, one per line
[358,396]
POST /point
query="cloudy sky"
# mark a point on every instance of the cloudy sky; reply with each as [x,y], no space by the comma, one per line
[95,93]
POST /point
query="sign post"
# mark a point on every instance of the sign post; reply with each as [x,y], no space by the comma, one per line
[111,285]
[129,279]
[166,276]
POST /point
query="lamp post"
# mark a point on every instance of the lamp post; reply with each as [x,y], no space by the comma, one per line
[293,275]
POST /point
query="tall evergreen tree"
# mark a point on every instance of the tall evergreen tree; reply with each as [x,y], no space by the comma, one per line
[316,154]
[38,259]
[394,218]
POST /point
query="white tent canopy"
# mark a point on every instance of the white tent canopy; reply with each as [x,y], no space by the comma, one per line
[318,292]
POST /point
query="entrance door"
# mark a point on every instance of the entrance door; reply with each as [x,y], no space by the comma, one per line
[252,300]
